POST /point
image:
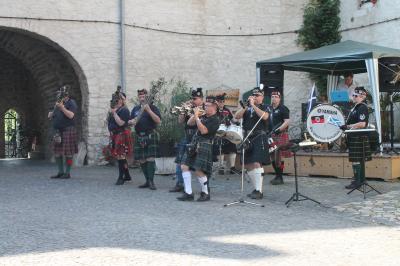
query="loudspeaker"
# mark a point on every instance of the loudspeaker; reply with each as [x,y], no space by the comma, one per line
[386,67]
[272,78]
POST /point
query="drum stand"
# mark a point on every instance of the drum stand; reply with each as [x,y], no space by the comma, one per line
[241,198]
[297,196]
[220,165]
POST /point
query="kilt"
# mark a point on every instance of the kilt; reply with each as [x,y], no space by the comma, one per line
[146,146]
[257,151]
[69,143]
[181,147]
[203,158]
[357,143]
[282,139]
[121,143]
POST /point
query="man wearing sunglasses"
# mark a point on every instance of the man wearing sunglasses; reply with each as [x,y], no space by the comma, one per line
[256,155]
[358,142]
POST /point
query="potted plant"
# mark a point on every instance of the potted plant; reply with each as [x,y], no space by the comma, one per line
[170,93]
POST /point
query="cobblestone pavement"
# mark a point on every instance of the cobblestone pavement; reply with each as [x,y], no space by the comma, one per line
[87,220]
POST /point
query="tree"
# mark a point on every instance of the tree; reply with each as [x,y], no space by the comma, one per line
[321,23]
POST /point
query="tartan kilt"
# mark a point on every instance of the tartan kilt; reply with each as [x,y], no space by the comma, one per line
[355,145]
[203,160]
[69,143]
[181,148]
[257,151]
[121,143]
[146,146]
[282,139]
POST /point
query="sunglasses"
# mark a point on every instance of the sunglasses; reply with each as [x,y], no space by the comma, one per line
[355,95]
[256,95]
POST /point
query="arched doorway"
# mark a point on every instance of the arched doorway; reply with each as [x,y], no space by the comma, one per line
[32,68]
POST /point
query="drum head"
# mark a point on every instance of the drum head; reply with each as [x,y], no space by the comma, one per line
[323,123]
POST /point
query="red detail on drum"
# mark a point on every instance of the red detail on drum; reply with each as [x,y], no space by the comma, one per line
[319,119]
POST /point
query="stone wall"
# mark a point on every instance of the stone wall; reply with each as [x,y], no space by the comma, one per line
[208,43]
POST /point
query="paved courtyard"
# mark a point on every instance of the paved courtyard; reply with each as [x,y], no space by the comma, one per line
[87,220]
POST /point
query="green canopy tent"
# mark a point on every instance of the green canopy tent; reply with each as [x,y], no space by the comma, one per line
[336,59]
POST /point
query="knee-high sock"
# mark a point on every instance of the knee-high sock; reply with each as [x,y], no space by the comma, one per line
[178,173]
[274,166]
[252,176]
[203,183]
[68,161]
[221,160]
[143,166]
[120,168]
[151,169]
[259,178]
[60,164]
[126,169]
[187,180]
[231,159]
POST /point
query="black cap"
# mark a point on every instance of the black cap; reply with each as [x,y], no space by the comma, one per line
[220,97]
[197,93]
[257,90]
[360,90]
[211,99]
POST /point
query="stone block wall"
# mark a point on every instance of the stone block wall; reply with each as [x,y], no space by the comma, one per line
[208,43]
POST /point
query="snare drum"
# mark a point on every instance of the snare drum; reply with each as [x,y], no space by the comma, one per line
[221,130]
[234,134]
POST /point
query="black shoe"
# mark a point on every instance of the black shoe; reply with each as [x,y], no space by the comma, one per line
[127,178]
[186,197]
[177,188]
[278,180]
[250,195]
[119,182]
[65,176]
[204,197]
[59,175]
[152,186]
[145,185]
[232,171]
[257,195]
[354,184]
[221,171]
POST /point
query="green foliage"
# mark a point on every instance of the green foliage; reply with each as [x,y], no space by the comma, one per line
[10,126]
[170,93]
[321,23]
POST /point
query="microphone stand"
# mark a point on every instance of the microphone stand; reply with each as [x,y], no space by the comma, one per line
[241,198]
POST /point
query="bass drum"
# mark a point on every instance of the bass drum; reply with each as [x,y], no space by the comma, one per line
[323,123]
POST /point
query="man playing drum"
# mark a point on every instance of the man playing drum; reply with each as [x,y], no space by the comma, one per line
[358,142]
[227,147]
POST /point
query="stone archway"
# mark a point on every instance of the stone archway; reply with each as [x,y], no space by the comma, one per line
[32,68]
